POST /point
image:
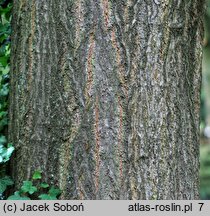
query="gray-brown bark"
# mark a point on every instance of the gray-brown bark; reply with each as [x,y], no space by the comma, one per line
[104,96]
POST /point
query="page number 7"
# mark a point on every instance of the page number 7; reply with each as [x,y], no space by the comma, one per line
[201,205]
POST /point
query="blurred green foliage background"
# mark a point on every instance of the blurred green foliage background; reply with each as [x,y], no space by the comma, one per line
[205,112]
[6,149]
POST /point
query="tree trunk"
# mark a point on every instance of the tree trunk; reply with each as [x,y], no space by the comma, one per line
[104,96]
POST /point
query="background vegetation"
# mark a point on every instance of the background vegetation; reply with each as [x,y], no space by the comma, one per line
[37,189]
[205,113]
[6,148]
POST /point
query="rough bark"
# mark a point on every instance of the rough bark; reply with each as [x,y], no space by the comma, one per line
[104,96]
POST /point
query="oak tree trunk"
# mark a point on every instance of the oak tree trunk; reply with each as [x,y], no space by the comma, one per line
[104,96]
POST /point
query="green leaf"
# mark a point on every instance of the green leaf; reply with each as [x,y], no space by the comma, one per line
[17,196]
[9,151]
[52,194]
[4,27]
[3,140]
[3,114]
[44,185]
[5,153]
[4,182]
[3,122]
[4,90]
[47,197]
[28,187]
[3,60]
[5,10]
[6,70]
[3,37]
[37,175]
[54,191]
